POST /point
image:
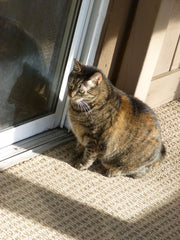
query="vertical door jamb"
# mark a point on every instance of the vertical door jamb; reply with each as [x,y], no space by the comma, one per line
[143,47]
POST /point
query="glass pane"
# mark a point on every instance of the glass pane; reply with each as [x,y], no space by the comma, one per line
[31,35]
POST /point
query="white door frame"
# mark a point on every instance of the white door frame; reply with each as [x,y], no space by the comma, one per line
[83,47]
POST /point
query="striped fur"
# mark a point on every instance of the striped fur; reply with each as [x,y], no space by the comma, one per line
[111,126]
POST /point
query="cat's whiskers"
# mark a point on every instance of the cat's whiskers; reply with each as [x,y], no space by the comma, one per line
[84,107]
[80,106]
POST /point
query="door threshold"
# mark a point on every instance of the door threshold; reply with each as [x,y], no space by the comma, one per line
[33,146]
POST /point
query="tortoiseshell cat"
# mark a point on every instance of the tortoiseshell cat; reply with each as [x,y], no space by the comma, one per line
[118,129]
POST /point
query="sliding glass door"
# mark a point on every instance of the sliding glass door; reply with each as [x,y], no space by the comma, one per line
[31,36]
[35,39]
[38,41]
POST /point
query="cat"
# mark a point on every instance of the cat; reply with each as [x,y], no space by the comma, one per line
[119,130]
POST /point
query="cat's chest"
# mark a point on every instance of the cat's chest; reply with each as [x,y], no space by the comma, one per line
[87,125]
[79,125]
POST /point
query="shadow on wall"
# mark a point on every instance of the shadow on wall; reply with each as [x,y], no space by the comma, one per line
[80,221]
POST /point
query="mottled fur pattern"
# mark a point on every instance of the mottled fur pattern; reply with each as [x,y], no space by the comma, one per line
[111,126]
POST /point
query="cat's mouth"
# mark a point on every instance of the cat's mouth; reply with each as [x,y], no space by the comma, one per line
[79,100]
[82,105]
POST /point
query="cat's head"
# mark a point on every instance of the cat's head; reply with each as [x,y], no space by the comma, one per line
[83,83]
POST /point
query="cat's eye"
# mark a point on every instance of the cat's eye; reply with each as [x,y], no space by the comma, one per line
[81,91]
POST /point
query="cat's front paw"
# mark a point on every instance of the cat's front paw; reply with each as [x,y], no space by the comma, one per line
[80,166]
[112,173]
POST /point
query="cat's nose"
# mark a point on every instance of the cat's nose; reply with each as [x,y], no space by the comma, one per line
[72,94]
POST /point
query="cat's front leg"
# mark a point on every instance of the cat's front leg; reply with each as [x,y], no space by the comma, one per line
[89,157]
[79,150]
[77,153]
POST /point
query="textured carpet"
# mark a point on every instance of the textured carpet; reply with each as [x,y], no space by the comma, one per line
[46,198]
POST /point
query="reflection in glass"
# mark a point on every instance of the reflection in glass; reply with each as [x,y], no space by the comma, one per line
[31,34]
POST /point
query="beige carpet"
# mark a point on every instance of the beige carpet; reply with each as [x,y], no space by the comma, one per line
[46,198]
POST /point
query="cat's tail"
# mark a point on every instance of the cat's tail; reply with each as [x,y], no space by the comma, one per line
[161,157]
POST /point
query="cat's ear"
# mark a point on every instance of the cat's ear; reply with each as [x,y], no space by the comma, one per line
[95,79]
[77,66]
